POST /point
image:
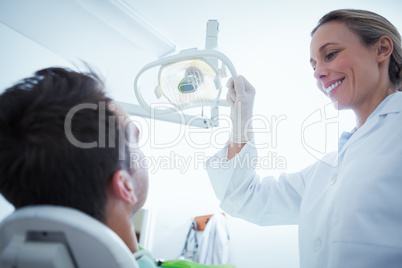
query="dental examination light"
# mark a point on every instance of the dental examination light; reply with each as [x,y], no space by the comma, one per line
[190,79]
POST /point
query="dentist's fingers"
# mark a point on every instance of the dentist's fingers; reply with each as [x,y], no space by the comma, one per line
[248,87]
[239,85]
[231,96]
[230,83]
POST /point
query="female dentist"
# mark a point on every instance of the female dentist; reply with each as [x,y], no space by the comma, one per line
[349,215]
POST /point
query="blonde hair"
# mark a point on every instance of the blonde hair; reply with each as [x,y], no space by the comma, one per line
[370,26]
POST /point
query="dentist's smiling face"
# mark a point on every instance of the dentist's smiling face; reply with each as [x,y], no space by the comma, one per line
[345,69]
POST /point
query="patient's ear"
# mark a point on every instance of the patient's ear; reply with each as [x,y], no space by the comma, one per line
[122,186]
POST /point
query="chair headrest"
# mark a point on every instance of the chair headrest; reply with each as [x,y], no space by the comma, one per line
[89,242]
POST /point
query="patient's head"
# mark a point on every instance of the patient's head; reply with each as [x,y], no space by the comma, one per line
[62,142]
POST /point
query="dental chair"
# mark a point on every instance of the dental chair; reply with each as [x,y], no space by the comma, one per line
[59,237]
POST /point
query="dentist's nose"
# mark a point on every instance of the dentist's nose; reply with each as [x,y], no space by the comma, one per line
[320,71]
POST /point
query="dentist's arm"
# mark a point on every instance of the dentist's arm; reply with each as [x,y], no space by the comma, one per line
[234,149]
[240,96]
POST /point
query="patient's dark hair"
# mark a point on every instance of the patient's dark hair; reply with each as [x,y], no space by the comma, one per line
[38,162]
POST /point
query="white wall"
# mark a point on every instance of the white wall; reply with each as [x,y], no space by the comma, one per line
[20,57]
[179,192]
[5,208]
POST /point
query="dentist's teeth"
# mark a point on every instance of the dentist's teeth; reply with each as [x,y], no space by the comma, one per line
[331,87]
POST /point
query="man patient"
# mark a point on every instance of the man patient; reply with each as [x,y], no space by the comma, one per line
[64,142]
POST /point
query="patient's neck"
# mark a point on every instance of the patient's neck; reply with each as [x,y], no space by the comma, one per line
[127,234]
[121,223]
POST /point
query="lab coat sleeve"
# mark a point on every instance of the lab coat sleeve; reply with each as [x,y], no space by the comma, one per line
[218,167]
[264,201]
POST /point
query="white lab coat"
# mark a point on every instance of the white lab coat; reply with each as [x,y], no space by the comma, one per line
[349,215]
[214,244]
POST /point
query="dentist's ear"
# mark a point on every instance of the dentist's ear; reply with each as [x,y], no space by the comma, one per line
[123,187]
[384,47]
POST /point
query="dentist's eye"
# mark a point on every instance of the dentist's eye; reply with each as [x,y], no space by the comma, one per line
[313,65]
[331,55]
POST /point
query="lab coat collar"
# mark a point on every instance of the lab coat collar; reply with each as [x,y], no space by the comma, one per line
[393,105]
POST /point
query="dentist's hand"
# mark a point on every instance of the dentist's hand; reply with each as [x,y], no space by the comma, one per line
[240,96]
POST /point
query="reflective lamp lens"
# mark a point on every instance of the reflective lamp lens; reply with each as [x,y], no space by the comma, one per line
[187,85]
